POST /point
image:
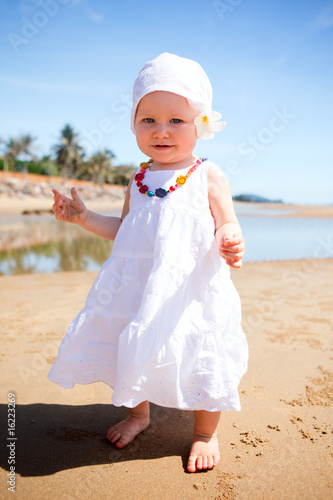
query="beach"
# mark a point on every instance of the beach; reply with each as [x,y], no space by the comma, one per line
[279,446]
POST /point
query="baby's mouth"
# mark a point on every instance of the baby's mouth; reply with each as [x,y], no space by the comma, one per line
[162,146]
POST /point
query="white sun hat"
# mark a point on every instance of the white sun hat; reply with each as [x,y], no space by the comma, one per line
[178,75]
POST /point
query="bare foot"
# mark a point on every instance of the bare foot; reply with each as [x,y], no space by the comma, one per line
[125,431]
[204,454]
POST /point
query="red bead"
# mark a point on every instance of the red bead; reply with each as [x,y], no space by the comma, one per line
[139,177]
[139,183]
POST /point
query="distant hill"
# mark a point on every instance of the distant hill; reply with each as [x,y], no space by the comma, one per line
[254,199]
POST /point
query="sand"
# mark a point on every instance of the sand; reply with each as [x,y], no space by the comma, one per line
[13,206]
[278,447]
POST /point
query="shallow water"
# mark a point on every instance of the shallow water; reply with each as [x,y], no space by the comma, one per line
[77,254]
[43,245]
[285,238]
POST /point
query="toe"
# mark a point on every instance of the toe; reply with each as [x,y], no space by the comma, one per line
[111,432]
[124,439]
[204,462]
[210,462]
[120,444]
[115,437]
[191,467]
[199,463]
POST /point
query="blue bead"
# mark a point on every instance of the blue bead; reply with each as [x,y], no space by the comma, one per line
[150,193]
[160,192]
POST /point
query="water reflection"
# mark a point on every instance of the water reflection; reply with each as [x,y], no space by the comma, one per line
[79,254]
[47,246]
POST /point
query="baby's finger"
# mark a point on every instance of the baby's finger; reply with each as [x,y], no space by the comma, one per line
[231,239]
[59,214]
[56,194]
[74,194]
[235,264]
[57,205]
[232,248]
[231,255]
[56,211]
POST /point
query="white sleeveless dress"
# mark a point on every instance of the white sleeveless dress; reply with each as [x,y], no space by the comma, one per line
[162,321]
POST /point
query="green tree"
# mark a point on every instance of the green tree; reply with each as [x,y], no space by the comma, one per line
[99,166]
[122,174]
[68,153]
[47,166]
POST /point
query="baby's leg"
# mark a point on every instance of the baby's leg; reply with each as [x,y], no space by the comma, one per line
[123,433]
[205,452]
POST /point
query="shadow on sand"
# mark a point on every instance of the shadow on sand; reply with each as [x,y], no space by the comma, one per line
[52,437]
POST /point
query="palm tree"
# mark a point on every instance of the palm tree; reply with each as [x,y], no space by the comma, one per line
[99,166]
[15,148]
[68,152]
[4,157]
[12,149]
[24,144]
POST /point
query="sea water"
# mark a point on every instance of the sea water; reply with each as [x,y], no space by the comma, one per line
[67,247]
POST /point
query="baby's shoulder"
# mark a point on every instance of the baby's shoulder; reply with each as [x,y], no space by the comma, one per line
[216,180]
[214,172]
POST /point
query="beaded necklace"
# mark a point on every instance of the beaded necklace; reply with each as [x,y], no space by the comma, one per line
[160,192]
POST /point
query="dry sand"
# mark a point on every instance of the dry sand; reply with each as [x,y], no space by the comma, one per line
[278,447]
[12,206]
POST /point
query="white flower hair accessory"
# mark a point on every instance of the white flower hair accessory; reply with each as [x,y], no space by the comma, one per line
[206,124]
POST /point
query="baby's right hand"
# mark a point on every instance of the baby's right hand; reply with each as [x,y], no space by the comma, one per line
[69,210]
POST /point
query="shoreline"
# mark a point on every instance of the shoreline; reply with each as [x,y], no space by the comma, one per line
[13,206]
[306,211]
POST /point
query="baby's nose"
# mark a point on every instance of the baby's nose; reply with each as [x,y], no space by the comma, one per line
[161,130]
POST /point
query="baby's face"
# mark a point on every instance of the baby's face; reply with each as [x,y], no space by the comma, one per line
[164,126]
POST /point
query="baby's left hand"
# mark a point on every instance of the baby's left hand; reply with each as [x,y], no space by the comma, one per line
[232,249]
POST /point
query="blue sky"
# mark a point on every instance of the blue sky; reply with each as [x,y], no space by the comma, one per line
[270,64]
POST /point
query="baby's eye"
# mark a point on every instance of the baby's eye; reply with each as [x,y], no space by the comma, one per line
[176,120]
[148,120]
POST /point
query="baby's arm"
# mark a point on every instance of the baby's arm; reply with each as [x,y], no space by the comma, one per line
[74,210]
[228,233]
